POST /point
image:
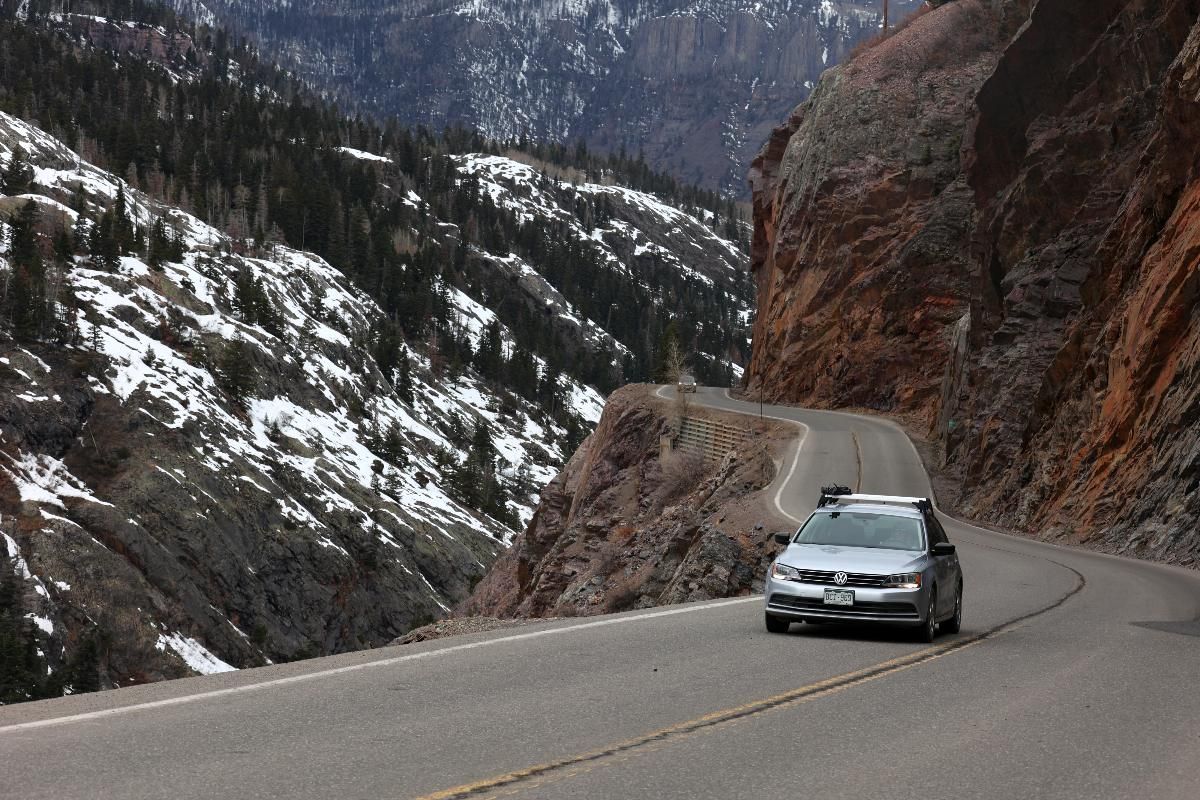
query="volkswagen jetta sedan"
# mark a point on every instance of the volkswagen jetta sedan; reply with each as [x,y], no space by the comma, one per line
[867,558]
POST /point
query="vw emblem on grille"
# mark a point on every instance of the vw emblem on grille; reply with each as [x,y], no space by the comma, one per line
[841,578]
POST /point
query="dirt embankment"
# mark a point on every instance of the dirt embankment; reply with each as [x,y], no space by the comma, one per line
[623,527]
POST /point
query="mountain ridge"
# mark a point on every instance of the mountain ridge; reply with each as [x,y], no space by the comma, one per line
[219,448]
[694,85]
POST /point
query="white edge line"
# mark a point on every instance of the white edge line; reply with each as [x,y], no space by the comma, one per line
[795,456]
[385,662]
[1016,537]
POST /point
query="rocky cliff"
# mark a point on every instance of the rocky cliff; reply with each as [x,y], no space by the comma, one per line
[624,527]
[694,84]
[1018,265]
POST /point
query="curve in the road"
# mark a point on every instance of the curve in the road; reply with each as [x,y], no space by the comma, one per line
[1093,698]
[783,484]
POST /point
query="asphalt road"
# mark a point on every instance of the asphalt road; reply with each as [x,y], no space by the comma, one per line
[1076,675]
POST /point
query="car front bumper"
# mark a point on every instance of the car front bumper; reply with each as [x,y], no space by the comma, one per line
[806,601]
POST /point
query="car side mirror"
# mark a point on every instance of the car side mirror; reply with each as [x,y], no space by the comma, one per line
[783,538]
[943,549]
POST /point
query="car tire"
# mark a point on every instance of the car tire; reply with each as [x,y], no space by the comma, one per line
[928,630]
[954,624]
[777,624]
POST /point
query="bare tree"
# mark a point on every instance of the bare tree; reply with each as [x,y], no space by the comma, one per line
[673,361]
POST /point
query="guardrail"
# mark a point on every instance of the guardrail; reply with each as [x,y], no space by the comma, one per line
[709,438]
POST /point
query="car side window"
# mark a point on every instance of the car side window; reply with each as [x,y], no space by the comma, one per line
[937,534]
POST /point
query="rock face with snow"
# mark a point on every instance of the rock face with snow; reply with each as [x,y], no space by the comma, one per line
[199,529]
[696,85]
[203,465]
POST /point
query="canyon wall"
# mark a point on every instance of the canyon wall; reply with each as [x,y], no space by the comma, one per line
[693,85]
[1018,268]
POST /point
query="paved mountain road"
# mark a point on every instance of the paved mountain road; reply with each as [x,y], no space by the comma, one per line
[692,701]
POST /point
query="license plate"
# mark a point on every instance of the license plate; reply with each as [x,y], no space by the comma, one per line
[839,597]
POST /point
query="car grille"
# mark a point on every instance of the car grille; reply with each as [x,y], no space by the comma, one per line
[859,609]
[852,579]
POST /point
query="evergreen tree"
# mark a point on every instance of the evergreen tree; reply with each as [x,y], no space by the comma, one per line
[393,446]
[27,306]
[235,373]
[483,448]
[489,359]
[404,384]
[122,227]
[160,249]
[103,243]
[18,175]
[521,373]
[19,668]
[253,304]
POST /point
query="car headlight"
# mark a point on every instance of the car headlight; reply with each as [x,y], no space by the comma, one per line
[905,580]
[784,571]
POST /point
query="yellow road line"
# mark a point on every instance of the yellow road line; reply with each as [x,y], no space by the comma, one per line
[811,691]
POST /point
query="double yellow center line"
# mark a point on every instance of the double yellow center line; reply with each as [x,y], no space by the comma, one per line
[729,715]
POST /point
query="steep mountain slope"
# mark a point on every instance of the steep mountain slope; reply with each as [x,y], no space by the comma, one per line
[307,504]
[694,84]
[1022,274]
[218,449]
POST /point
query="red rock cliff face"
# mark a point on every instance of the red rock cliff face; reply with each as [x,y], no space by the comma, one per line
[1058,363]
[861,220]
[622,528]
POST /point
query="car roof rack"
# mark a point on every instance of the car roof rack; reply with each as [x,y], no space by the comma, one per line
[832,495]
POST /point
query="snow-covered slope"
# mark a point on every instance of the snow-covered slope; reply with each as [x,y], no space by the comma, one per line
[653,249]
[199,528]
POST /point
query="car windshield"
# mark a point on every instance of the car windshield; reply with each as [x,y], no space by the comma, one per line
[862,529]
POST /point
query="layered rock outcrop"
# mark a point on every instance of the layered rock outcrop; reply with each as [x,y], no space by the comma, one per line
[1031,290]
[861,219]
[622,527]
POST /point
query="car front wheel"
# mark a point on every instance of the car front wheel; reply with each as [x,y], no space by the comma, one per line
[928,630]
[776,625]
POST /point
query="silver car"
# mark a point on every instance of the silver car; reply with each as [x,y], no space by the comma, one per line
[867,558]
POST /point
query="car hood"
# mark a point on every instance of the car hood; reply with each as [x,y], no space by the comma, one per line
[850,559]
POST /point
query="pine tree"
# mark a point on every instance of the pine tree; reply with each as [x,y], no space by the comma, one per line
[18,175]
[393,446]
[103,243]
[160,249]
[235,373]
[122,227]
[18,662]
[404,384]
[483,448]
[27,307]
[489,360]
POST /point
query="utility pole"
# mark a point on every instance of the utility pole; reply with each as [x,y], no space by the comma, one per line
[885,16]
